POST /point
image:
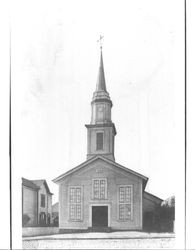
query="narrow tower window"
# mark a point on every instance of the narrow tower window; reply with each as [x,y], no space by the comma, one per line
[99,141]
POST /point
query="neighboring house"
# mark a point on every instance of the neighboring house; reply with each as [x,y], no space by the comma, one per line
[36,202]
[101,194]
[29,203]
[55,213]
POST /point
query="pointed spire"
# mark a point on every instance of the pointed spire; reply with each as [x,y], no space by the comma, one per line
[101,92]
[101,83]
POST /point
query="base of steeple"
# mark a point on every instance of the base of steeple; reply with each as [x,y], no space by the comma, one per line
[109,124]
[108,156]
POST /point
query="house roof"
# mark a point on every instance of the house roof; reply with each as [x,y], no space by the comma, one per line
[29,184]
[152,197]
[39,183]
[95,158]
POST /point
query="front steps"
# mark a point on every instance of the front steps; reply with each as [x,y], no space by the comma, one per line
[99,229]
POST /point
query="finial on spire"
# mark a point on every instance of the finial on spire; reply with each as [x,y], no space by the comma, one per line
[101,83]
[100,41]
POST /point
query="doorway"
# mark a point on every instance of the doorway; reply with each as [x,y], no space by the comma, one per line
[99,216]
[42,218]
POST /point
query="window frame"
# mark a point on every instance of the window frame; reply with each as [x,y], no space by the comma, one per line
[106,189]
[75,204]
[130,203]
[43,196]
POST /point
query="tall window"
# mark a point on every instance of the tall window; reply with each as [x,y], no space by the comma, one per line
[125,202]
[42,200]
[100,189]
[99,141]
[75,203]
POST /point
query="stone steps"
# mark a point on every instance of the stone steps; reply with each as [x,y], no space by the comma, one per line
[99,229]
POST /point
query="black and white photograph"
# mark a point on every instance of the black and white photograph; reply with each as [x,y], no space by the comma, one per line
[98,147]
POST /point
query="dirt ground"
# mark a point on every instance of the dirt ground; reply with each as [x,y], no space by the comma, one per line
[117,240]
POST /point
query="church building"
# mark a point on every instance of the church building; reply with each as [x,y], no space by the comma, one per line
[100,193]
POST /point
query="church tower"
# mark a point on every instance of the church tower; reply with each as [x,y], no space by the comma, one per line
[101,131]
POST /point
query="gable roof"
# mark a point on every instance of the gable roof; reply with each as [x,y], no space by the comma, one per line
[95,158]
[152,197]
[39,183]
[29,184]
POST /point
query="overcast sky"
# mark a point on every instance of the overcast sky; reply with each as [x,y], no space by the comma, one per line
[55,58]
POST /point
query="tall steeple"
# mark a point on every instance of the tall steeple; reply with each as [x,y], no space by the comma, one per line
[101,103]
[101,84]
[101,130]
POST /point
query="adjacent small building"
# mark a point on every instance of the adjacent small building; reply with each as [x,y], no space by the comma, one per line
[151,215]
[36,203]
[150,203]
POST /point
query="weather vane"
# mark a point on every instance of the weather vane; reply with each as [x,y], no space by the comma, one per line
[100,41]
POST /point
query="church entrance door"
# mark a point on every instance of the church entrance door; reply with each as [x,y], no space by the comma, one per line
[99,216]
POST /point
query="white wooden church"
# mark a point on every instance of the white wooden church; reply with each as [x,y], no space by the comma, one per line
[100,193]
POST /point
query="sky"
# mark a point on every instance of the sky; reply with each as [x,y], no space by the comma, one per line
[55,58]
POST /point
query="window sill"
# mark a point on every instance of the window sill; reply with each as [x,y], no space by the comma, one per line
[125,220]
[99,199]
[75,220]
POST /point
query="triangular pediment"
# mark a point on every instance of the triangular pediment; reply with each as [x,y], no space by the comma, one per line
[100,159]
